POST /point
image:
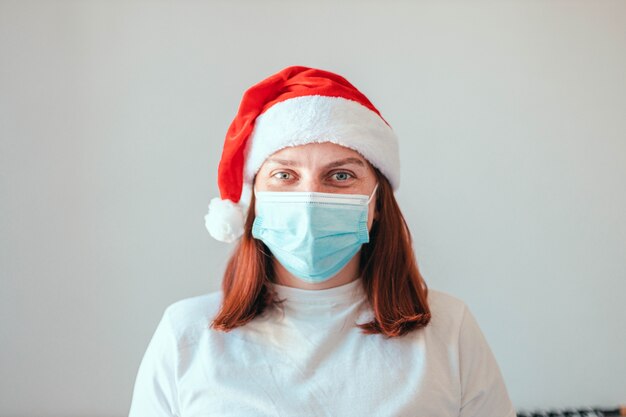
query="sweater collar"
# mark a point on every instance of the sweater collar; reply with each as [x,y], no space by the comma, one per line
[341,295]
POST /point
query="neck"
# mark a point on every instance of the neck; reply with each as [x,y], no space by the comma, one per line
[349,273]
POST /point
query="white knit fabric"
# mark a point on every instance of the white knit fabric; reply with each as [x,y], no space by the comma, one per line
[311,119]
[312,361]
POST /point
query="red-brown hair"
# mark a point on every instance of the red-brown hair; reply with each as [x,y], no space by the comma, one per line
[391,279]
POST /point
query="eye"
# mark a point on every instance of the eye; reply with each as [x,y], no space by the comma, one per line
[282,175]
[342,176]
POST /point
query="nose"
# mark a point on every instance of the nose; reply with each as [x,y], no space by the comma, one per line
[310,184]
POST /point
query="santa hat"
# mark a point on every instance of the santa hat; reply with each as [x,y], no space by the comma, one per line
[295,106]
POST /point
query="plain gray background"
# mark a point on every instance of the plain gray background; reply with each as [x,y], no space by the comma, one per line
[512,127]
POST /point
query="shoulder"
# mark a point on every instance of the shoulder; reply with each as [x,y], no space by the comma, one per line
[445,304]
[191,317]
[447,313]
[483,391]
[194,308]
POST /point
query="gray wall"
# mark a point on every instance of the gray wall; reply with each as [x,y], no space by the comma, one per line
[511,117]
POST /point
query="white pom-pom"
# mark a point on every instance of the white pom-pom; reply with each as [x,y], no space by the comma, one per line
[224,220]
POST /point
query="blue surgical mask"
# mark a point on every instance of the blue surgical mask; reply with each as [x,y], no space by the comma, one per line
[313,235]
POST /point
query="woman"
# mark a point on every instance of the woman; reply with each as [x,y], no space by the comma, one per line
[323,311]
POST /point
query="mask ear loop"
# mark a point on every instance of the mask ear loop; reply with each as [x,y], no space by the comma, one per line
[373,193]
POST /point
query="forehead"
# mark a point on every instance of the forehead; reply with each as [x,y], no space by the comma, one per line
[312,152]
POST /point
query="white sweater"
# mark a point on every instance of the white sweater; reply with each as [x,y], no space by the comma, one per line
[313,361]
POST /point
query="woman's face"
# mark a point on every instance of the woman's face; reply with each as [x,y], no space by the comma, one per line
[320,167]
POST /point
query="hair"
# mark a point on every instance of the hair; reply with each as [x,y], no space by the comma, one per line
[391,279]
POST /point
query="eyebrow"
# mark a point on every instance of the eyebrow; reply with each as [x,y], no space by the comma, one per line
[334,164]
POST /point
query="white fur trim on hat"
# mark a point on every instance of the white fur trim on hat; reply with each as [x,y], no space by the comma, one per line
[311,119]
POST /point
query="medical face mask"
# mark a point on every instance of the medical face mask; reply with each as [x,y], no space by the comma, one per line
[313,235]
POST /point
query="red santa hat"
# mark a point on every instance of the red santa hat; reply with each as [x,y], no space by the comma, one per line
[295,106]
